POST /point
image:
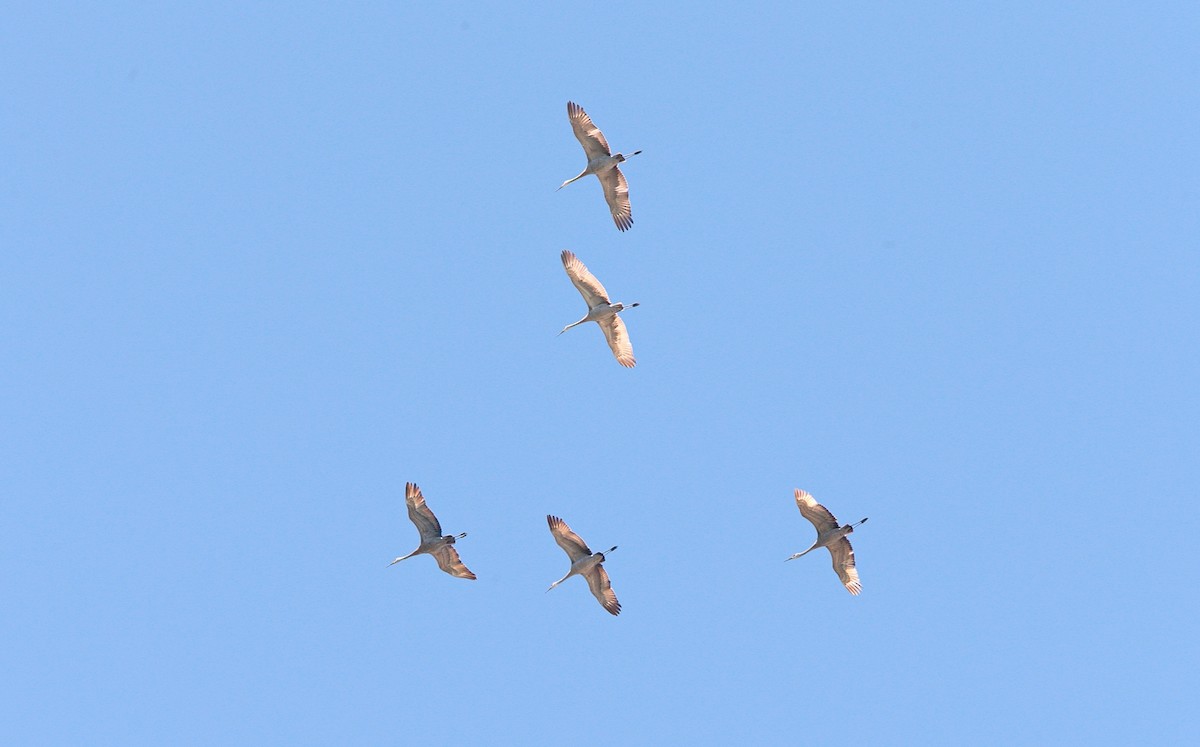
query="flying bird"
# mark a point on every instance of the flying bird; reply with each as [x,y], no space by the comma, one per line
[830,535]
[600,310]
[603,164]
[584,563]
[432,541]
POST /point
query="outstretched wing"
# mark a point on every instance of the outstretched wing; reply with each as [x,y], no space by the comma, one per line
[588,134]
[815,512]
[419,513]
[618,340]
[616,194]
[585,282]
[448,560]
[597,579]
[571,543]
[843,564]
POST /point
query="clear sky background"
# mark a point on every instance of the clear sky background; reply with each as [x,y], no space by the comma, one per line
[261,265]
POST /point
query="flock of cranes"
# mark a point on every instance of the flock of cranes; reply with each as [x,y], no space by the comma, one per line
[590,565]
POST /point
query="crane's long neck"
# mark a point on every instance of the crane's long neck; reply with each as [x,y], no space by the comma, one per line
[573,179]
[802,554]
[403,557]
[575,324]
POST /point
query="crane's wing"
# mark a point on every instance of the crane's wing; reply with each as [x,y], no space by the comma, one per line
[419,513]
[448,560]
[588,134]
[601,587]
[616,194]
[618,340]
[843,564]
[571,543]
[585,282]
[815,512]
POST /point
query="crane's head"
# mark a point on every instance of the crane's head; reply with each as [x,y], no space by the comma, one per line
[621,157]
[606,552]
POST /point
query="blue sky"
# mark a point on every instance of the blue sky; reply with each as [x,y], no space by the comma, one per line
[938,265]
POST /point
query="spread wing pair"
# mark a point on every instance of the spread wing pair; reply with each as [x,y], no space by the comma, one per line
[597,299]
[432,541]
[833,537]
[603,164]
[584,563]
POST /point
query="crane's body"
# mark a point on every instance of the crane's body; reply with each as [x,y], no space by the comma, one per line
[432,541]
[600,309]
[603,163]
[584,563]
[831,536]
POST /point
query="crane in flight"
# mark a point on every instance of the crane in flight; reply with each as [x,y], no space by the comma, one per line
[600,310]
[432,541]
[832,536]
[603,164]
[584,563]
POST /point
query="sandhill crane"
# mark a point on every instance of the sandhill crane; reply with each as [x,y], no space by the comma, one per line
[584,563]
[432,541]
[600,310]
[603,164]
[830,535]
